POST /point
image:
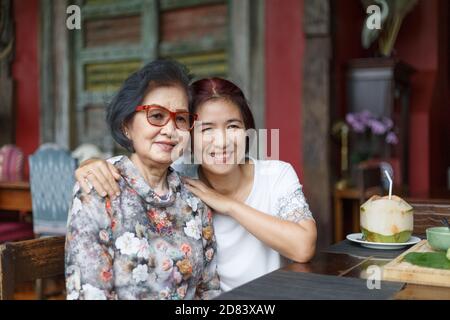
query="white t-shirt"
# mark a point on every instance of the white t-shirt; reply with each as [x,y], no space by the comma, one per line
[241,257]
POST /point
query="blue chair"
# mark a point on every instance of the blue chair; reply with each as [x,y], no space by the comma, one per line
[51,181]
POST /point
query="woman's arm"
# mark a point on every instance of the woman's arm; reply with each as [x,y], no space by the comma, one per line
[88,261]
[101,174]
[209,285]
[294,240]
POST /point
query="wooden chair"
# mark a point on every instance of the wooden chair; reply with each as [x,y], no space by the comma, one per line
[428,213]
[28,261]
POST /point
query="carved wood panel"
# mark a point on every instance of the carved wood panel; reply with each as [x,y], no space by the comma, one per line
[118,37]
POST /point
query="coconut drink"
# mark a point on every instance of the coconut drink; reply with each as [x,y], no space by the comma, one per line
[386,219]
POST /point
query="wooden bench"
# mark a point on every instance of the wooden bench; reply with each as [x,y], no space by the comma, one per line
[29,261]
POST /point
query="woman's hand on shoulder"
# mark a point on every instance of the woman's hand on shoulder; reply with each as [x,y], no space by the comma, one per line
[213,199]
[101,175]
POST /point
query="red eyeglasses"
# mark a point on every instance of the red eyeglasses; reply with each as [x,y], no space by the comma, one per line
[160,116]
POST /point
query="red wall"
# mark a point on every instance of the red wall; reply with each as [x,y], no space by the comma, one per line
[419,45]
[440,113]
[284,46]
[346,46]
[25,72]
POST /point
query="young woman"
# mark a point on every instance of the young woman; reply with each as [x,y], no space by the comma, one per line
[260,213]
[155,240]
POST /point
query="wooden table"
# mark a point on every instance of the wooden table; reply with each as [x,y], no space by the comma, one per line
[15,196]
[335,266]
[344,265]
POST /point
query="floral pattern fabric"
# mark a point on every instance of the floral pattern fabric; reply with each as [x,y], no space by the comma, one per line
[140,245]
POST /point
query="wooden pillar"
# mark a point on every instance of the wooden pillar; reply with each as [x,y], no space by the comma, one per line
[55,85]
[247,53]
[316,115]
[6,83]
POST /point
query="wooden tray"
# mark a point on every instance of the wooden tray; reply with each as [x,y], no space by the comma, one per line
[396,270]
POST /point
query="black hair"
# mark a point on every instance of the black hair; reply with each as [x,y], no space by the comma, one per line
[158,73]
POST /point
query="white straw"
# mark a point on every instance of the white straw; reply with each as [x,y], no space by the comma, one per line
[390,183]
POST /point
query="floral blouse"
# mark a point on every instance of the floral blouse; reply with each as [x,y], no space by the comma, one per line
[140,245]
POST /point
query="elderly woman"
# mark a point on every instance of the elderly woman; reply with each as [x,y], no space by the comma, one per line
[155,240]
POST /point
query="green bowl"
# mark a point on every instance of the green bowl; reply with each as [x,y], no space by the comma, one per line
[439,238]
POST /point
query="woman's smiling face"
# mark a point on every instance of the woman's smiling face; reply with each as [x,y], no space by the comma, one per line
[219,136]
[159,145]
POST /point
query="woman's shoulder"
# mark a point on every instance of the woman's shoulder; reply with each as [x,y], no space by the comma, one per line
[187,170]
[87,208]
[275,175]
[89,198]
[115,159]
[186,196]
[272,168]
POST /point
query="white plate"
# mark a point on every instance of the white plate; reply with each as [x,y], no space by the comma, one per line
[357,237]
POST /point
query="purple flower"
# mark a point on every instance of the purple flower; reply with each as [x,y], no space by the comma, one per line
[388,123]
[358,127]
[377,127]
[355,123]
[391,138]
[360,121]
[350,118]
[365,117]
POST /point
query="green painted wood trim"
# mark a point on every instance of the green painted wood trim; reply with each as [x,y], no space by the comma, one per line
[180,49]
[178,4]
[46,113]
[257,60]
[78,67]
[110,54]
[150,30]
[95,98]
[61,74]
[239,43]
[129,7]
[229,40]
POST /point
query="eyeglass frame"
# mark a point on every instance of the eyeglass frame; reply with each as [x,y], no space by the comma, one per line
[172,114]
